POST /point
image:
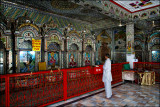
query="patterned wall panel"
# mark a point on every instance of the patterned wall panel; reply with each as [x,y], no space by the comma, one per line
[156,56]
[154,39]
[130,38]
[149,13]
[120,40]
[119,57]
[139,41]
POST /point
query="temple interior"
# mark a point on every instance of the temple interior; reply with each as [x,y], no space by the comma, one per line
[52,52]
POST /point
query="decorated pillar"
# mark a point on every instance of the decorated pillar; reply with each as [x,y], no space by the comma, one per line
[130,43]
[13,47]
[42,46]
[113,45]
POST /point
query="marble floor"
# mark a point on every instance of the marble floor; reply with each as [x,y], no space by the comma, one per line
[128,94]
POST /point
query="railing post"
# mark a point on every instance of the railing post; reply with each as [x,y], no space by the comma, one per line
[7,96]
[65,84]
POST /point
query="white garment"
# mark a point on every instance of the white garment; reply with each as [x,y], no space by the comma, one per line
[108,89]
[107,71]
[107,77]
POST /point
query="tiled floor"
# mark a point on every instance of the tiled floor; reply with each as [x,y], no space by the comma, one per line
[126,95]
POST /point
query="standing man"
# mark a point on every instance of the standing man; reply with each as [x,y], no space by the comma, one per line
[107,76]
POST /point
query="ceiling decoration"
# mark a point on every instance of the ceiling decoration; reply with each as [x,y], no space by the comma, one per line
[136,5]
[98,13]
[65,8]
[63,4]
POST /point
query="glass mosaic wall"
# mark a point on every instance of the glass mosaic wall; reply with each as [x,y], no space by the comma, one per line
[119,57]
[156,56]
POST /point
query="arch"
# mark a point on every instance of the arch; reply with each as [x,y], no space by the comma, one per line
[139,36]
[155,47]
[144,15]
[139,41]
[135,16]
[117,10]
[89,48]
[54,46]
[26,45]
[74,32]
[74,47]
[28,28]
[126,14]
[157,34]
[102,36]
[121,14]
[111,9]
[138,47]
[28,24]
[73,60]
[153,12]
[55,30]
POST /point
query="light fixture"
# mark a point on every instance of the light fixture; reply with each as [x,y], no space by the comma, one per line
[85,30]
[120,24]
[153,23]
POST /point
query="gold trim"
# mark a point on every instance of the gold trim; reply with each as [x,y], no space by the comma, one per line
[150,40]
[74,32]
[106,34]
[28,24]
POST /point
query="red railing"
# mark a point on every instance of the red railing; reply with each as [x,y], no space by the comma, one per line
[152,66]
[47,87]
[116,70]
[3,92]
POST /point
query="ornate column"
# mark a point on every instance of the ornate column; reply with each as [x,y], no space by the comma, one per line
[113,45]
[83,51]
[13,46]
[42,44]
[130,43]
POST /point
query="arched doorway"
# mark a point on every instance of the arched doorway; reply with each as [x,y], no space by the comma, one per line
[73,55]
[105,50]
[27,58]
[88,55]
[53,55]
[73,48]
[54,47]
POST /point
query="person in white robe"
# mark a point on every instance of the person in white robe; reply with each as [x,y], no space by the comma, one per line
[107,76]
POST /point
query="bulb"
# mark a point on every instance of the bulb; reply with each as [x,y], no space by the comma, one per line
[120,23]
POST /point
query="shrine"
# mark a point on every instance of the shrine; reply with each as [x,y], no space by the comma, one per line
[52,51]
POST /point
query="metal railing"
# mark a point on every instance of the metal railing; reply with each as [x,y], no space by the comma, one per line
[47,87]
[151,66]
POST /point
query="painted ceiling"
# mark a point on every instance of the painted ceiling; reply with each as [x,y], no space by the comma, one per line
[99,13]
[136,5]
[64,8]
